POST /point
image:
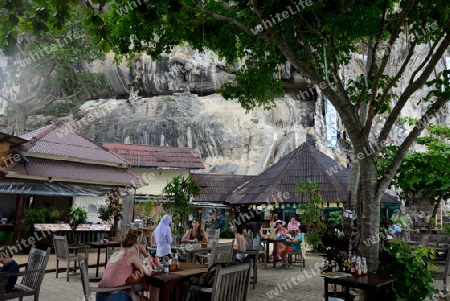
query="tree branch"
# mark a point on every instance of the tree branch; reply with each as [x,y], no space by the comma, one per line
[413,88]
[404,147]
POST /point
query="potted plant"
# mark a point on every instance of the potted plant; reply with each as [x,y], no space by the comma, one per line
[77,216]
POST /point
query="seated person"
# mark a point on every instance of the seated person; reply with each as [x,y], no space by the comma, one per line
[293,245]
[279,232]
[240,243]
[120,268]
[9,266]
[394,229]
[195,234]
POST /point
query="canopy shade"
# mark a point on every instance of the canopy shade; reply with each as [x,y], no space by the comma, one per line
[52,188]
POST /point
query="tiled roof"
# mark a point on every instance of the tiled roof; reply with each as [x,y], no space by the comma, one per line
[140,155]
[303,164]
[70,171]
[217,187]
[61,140]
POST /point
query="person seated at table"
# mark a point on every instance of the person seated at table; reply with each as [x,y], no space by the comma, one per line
[292,245]
[9,266]
[258,234]
[140,248]
[120,268]
[240,244]
[279,232]
[195,234]
[394,229]
[293,225]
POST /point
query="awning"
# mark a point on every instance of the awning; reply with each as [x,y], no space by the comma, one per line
[209,205]
[52,188]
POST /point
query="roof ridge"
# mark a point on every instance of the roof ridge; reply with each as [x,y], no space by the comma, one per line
[151,145]
[80,134]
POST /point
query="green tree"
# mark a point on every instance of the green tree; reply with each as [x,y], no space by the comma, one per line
[425,173]
[179,192]
[313,215]
[319,39]
[49,68]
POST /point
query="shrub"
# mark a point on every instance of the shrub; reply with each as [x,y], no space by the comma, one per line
[406,264]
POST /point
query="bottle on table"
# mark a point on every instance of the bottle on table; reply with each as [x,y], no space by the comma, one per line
[364,269]
[352,264]
[176,260]
[358,266]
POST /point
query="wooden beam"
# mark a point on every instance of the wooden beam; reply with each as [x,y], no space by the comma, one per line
[19,215]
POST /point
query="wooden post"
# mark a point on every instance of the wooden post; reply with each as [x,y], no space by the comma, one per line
[202,219]
[19,215]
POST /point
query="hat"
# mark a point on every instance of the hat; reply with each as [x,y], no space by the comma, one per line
[280,221]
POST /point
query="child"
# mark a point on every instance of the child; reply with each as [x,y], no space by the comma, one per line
[9,266]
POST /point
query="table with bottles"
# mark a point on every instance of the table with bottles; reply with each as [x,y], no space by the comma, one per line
[372,283]
[171,280]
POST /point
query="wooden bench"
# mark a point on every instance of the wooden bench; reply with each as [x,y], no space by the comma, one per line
[32,276]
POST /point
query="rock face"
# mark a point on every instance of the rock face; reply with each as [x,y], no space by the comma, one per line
[183,70]
[229,140]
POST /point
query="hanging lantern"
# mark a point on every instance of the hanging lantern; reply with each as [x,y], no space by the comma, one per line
[250,207]
[277,205]
[282,206]
[294,205]
[254,206]
[263,206]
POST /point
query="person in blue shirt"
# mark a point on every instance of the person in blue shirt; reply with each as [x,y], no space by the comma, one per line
[394,229]
[9,266]
[292,245]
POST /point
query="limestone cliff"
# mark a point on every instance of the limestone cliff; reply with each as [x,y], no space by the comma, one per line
[229,140]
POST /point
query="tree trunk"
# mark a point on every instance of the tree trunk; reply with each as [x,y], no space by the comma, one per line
[21,118]
[369,219]
[437,204]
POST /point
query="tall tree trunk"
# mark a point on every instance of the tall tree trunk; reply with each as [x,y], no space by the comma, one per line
[20,117]
[369,220]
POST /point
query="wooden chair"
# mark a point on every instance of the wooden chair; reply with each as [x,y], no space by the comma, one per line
[213,235]
[253,253]
[231,283]
[88,289]
[221,253]
[32,276]
[62,253]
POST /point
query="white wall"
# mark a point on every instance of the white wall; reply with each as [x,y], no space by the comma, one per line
[91,205]
[157,179]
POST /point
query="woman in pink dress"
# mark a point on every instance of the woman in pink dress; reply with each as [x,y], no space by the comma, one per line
[293,225]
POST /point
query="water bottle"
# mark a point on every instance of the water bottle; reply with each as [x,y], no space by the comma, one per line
[177,261]
[353,264]
[358,266]
[364,270]
[166,268]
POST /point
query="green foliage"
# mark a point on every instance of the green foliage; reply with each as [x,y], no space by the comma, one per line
[77,216]
[313,215]
[179,192]
[402,221]
[314,240]
[334,247]
[226,232]
[61,109]
[168,99]
[33,216]
[406,263]
[334,219]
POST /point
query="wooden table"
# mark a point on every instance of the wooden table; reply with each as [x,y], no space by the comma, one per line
[275,242]
[103,245]
[172,280]
[371,283]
